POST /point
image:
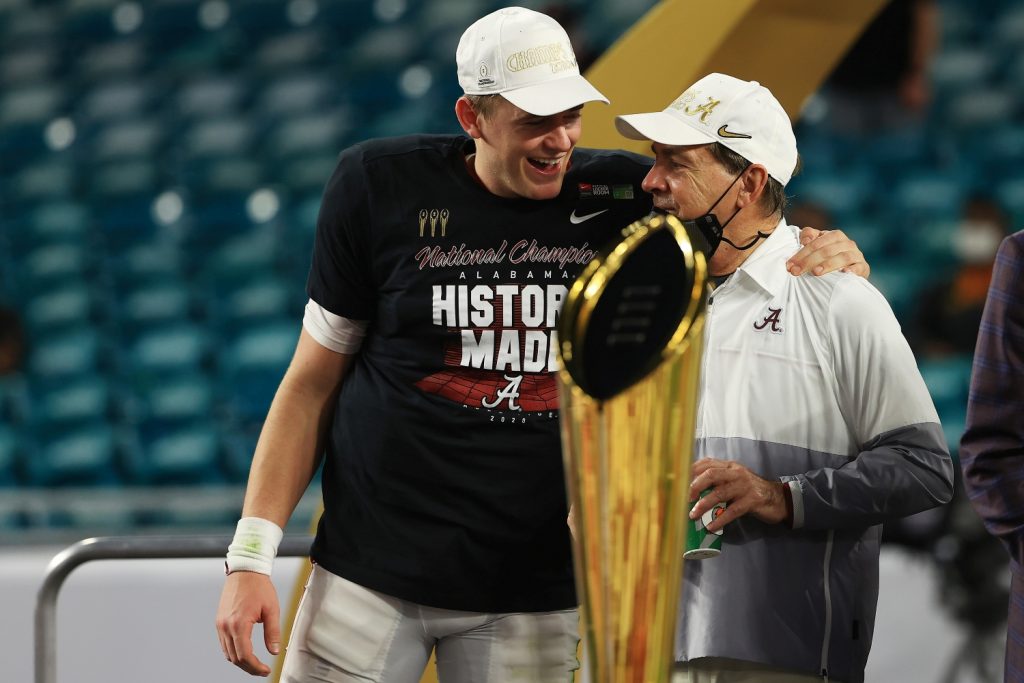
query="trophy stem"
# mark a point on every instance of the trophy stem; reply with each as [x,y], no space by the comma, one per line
[627,468]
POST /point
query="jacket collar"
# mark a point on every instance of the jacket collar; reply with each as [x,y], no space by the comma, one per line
[766,267]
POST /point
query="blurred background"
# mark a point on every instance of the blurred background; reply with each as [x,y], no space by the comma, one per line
[161,165]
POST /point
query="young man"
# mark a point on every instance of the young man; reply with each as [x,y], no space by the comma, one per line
[814,423]
[425,372]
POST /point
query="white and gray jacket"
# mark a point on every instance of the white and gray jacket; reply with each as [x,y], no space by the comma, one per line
[807,380]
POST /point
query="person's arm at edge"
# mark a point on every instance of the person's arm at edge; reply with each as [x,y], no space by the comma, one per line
[287,454]
[992,444]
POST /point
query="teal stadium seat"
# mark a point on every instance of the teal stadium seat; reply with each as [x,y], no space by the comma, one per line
[135,138]
[1008,29]
[188,455]
[876,239]
[71,353]
[844,194]
[218,137]
[59,222]
[286,51]
[125,180]
[85,456]
[948,381]
[901,282]
[8,458]
[259,300]
[153,305]
[211,95]
[28,64]
[49,177]
[127,221]
[212,177]
[1010,193]
[62,406]
[251,367]
[959,67]
[54,265]
[996,152]
[177,400]
[21,144]
[123,57]
[308,134]
[243,258]
[145,263]
[26,23]
[954,422]
[34,103]
[119,99]
[171,350]
[85,22]
[982,108]
[69,306]
[928,196]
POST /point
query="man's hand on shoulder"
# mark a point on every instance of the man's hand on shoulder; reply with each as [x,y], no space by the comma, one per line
[825,251]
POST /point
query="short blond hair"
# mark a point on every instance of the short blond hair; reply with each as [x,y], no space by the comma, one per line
[483,105]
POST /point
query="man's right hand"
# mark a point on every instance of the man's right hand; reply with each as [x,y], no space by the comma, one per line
[248,598]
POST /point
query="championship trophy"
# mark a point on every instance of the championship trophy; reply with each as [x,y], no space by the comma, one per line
[630,339]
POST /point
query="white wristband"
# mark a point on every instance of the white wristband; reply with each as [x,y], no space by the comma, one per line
[254,546]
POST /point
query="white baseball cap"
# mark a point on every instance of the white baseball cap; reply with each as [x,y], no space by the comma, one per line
[526,57]
[742,115]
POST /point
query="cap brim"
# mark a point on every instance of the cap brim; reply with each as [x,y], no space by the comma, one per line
[552,97]
[660,127]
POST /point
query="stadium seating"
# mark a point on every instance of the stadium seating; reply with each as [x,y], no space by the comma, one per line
[162,165]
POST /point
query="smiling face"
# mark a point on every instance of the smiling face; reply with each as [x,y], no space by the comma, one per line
[519,154]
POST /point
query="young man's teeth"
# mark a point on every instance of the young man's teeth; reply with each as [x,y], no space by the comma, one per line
[546,162]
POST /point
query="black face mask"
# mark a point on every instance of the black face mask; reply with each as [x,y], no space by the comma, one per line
[708,227]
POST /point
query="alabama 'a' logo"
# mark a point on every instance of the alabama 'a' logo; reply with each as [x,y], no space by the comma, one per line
[508,393]
[771,322]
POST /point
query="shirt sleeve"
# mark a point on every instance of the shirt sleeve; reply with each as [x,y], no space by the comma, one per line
[340,275]
[333,332]
[992,447]
[903,466]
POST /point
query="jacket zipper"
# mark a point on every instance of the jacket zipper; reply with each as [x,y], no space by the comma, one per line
[828,605]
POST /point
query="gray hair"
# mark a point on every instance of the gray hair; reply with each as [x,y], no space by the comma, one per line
[774,197]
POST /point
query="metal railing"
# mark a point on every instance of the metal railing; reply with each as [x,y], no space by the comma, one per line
[121,548]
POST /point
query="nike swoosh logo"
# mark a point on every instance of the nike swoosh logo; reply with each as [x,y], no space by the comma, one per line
[724,132]
[574,219]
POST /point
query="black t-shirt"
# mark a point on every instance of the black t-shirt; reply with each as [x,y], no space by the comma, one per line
[443,482]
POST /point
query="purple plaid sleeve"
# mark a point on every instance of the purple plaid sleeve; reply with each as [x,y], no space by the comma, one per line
[992,447]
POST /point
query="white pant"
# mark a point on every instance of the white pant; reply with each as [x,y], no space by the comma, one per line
[344,633]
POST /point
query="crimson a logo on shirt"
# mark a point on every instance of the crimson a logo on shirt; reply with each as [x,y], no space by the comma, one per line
[771,322]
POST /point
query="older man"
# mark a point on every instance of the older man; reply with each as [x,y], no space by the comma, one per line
[814,424]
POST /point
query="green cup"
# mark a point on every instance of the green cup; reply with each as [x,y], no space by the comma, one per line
[700,543]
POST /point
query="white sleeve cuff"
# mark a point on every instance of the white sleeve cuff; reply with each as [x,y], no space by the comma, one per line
[331,331]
